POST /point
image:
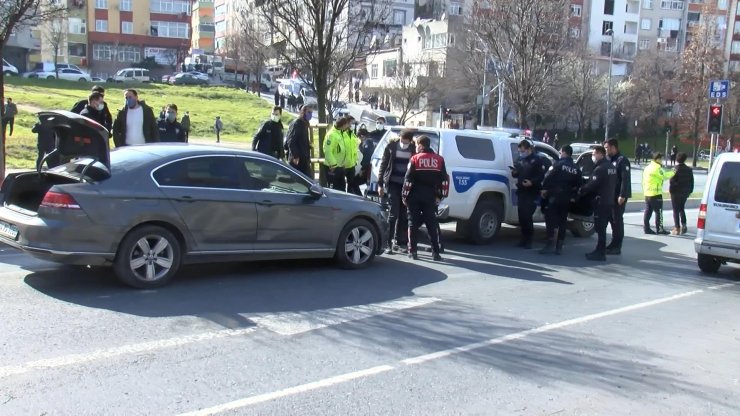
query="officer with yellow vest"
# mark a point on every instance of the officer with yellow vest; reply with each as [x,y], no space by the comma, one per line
[352,144]
[336,154]
[652,186]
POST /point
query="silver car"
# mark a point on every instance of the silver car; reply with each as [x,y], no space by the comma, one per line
[145,210]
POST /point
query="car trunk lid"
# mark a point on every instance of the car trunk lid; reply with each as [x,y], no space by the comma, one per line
[76,137]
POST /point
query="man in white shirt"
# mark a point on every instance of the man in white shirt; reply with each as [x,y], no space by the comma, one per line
[135,123]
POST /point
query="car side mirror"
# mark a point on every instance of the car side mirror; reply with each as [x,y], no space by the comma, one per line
[316,190]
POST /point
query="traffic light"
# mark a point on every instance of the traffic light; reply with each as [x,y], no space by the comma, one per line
[714,124]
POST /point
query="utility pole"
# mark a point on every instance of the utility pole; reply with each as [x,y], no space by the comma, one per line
[609,32]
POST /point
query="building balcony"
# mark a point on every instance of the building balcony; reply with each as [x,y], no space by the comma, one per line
[198,5]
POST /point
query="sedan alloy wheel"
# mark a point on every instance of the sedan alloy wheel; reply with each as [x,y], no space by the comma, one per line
[357,244]
[148,257]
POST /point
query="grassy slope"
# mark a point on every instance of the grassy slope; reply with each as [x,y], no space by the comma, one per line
[240,112]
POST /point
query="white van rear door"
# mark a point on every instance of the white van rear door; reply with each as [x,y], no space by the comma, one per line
[723,207]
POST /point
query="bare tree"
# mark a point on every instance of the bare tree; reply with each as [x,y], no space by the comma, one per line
[534,34]
[232,50]
[254,46]
[14,15]
[55,36]
[409,86]
[580,89]
[701,62]
[323,38]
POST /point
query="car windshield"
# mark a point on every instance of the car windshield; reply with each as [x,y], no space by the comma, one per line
[391,120]
[120,73]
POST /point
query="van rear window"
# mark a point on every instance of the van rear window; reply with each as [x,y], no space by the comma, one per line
[728,184]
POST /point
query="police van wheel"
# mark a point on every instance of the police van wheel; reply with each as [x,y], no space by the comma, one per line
[357,244]
[583,229]
[708,264]
[485,222]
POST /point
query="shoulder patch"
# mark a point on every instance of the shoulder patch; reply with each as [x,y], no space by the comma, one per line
[627,167]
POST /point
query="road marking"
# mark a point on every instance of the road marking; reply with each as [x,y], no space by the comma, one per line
[76,359]
[331,381]
[261,398]
[292,323]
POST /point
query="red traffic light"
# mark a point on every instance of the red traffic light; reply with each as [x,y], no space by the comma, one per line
[716,110]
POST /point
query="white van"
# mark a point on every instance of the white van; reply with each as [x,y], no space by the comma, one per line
[9,69]
[718,237]
[132,75]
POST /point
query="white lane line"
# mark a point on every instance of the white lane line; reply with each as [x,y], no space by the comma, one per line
[292,323]
[76,359]
[327,382]
[261,398]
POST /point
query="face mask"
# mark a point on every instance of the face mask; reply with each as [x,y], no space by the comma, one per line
[404,146]
[131,102]
[100,107]
[275,118]
[522,155]
[379,126]
[593,159]
[308,116]
[171,117]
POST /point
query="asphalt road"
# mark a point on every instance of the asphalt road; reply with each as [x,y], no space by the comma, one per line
[492,330]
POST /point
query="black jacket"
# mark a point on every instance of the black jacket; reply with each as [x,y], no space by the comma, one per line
[682,183]
[151,132]
[45,139]
[532,168]
[602,185]
[269,139]
[297,140]
[80,105]
[624,177]
[376,135]
[426,179]
[367,148]
[389,157]
[171,132]
[563,180]
[95,115]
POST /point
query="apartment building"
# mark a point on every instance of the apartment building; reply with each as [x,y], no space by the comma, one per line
[68,33]
[204,30]
[22,45]
[732,41]
[662,25]
[124,32]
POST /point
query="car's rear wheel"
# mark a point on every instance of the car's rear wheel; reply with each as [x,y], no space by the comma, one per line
[50,77]
[82,80]
[148,257]
[484,223]
[356,245]
[708,264]
[8,74]
[581,228]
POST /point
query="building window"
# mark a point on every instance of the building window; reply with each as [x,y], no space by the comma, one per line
[605,48]
[669,24]
[77,26]
[101,4]
[374,71]
[125,6]
[102,52]
[128,53]
[647,4]
[169,6]
[734,66]
[736,28]
[722,4]
[399,17]
[220,27]
[644,44]
[645,24]
[455,9]
[221,10]
[77,49]
[735,47]
[671,4]
[438,40]
[127,27]
[389,68]
[606,26]
[101,25]
[609,7]
[575,10]
[170,30]
[575,32]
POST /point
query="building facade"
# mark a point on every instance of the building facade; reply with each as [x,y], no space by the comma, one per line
[204,30]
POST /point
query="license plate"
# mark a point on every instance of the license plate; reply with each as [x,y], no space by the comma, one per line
[8,230]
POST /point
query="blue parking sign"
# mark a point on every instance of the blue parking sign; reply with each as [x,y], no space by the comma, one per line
[719,89]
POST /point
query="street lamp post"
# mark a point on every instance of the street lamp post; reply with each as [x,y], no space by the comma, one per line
[669,113]
[610,33]
[483,91]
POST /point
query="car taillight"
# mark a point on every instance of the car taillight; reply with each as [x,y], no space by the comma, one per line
[59,200]
[702,217]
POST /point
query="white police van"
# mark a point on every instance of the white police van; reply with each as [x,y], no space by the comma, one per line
[718,229]
[482,191]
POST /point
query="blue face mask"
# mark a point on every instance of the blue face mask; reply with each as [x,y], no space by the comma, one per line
[522,155]
[171,117]
[308,116]
[131,102]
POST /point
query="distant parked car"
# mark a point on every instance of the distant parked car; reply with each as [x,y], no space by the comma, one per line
[67,74]
[188,79]
[198,75]
[97,79]
[132,75]
[9,69]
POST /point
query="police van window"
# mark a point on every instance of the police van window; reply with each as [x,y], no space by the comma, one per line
[728,185]
[475,148]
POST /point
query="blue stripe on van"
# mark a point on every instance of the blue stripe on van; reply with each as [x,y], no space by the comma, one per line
[463,181]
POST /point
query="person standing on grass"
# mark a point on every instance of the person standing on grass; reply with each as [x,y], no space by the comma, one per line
[170,130]
[45,145]
[674,154]
[218,126]
[269,137]
[80,105]
[185,123]
[681,186]
[135,123]
[95,109]
[9,115]
[298,141]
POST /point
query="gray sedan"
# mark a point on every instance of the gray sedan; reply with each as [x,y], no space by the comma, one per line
[146,210]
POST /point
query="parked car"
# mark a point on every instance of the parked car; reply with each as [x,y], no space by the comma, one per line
[97,80]
[146,210]
[198,75]
[718,228]
[482,190]
[187,79]
[132,75]
[67,74]
[366,115]
[581,148]
[8,69]
[166,78]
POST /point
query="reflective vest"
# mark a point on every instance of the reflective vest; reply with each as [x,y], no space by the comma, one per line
[335,150]
[352,146]
[653,177]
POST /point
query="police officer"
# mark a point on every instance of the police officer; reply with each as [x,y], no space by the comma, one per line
[529,172]
[426,183]
[335,153]
[392,174]
[622,194]
[559,187]
[269,137]
[601,187]
[169,128]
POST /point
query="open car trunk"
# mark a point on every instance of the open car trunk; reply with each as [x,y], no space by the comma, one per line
[81,146]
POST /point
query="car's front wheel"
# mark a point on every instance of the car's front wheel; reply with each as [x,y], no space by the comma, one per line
[708,264]
[8,74]
[582,228]
[484,222]
[356,245]
[50,77]
[82,80]
[148,257]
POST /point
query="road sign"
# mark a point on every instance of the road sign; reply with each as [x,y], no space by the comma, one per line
[719,89]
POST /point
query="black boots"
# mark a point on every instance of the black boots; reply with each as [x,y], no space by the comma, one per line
[559,247]
[549,248]
[596,256]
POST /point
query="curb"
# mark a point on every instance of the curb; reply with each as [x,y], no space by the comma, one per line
[639,206]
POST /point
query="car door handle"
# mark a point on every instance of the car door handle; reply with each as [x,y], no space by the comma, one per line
[186,198]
